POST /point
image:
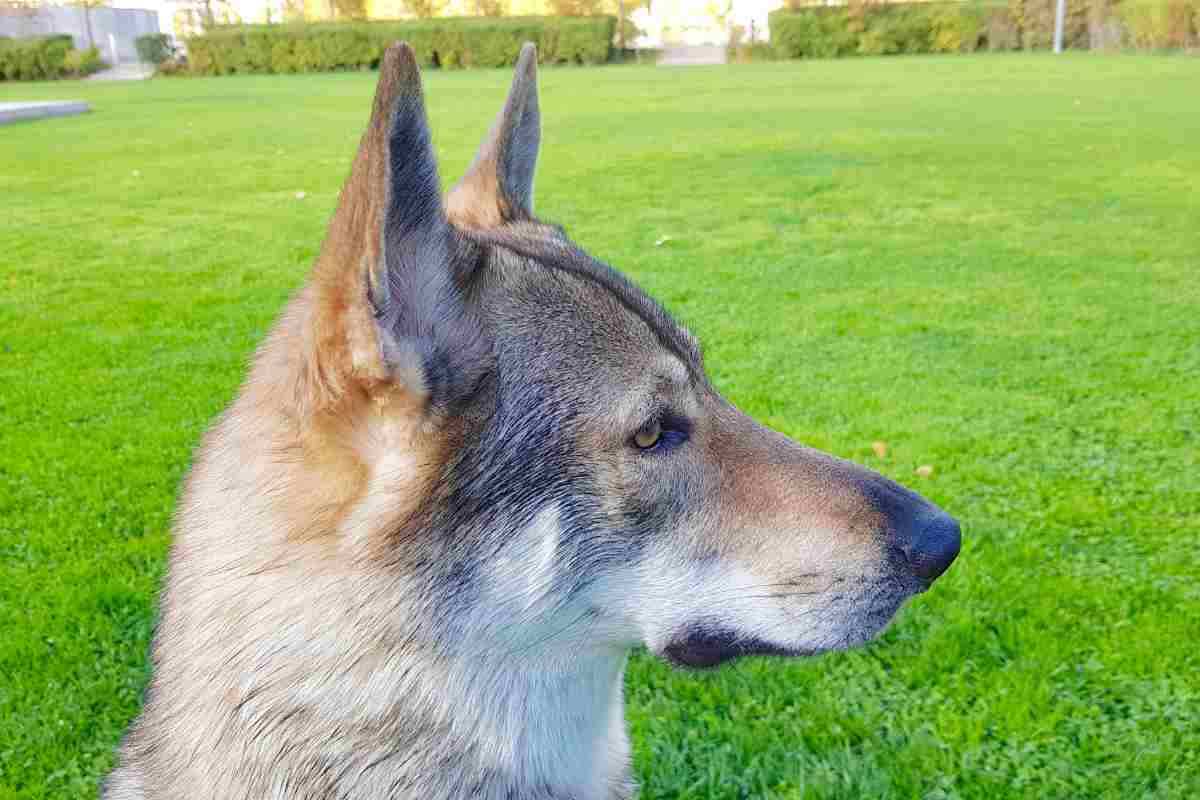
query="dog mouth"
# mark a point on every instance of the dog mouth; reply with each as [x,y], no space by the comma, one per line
[705,647]
[708,644]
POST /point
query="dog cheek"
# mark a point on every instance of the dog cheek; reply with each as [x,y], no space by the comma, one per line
[525,572]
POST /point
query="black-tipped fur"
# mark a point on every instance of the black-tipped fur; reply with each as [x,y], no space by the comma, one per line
[518,135]
[418,304]
[498,186]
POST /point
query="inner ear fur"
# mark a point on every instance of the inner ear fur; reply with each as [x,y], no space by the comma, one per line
[498,186]
[386,310]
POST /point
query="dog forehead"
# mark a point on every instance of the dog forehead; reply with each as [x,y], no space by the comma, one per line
[577,308]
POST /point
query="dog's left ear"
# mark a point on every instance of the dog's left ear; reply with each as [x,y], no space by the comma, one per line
[498,186]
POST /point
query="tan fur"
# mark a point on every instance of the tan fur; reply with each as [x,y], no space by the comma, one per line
[772,488]
[319,638]
[478,201]
[475,201]
[291,497]
[332,317]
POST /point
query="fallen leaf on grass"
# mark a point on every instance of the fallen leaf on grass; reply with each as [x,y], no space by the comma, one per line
[925,471]
[880,448]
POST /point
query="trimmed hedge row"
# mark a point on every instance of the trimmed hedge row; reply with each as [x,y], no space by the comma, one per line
[875,28]
[1169,25]
[447,42]
[879,29]
[44,58]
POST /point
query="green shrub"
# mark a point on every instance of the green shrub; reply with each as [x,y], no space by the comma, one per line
[1174,24]
[962,29]
[154,48]
[1000,30]
[81,63]
[35,59]
[912,29]
[1035,21]
[869,27]
[749,52]
[174,67]
[814,33]
[447,42]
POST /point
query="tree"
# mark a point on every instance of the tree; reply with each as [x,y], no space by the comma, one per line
[292,10]
[351,9]
[491,8]
[425,9]
[198,16]
[576,8]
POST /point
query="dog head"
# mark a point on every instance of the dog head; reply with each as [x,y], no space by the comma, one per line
[539,438]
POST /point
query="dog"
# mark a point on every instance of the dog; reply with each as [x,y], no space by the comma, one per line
[470,469]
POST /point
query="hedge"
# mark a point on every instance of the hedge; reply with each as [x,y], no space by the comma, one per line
[874,28]
[1170,25]
[880,29]
[154,48]
[45,58]
[445,42]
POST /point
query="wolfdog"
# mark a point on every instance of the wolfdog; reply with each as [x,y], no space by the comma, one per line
[470,469]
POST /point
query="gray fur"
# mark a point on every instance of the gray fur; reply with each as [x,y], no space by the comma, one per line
[428,587]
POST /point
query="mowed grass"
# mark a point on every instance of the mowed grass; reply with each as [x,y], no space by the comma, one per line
[989,263]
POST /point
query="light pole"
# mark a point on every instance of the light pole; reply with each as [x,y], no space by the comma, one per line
[1060,16]
[621,26]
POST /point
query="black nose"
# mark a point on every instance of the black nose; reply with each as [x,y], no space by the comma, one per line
[932,545]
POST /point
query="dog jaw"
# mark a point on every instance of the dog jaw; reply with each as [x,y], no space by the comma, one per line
[703,612]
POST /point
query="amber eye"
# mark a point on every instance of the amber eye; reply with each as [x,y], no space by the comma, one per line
[649,435]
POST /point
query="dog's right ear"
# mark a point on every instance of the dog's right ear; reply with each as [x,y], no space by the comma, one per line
[389,308]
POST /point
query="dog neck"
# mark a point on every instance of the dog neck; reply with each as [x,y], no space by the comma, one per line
[534,719]
[368,687]
[532,687]
[546,727]
[401,710]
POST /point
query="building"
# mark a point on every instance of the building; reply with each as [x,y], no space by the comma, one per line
[662,23]
[111,30]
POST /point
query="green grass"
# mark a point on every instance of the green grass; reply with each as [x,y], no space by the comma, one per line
[991,263]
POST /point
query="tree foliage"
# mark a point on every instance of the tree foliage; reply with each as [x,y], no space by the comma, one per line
[350,9]
[577,8]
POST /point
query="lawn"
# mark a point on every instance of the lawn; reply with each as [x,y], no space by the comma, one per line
[991,263]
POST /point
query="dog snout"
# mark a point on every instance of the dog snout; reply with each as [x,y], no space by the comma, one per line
[930,542]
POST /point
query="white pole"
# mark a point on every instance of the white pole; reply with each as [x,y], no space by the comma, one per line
[1059,17]
[112,48]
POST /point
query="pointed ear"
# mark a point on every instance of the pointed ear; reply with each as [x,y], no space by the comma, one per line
[498,186]
[425,332]
[389,309]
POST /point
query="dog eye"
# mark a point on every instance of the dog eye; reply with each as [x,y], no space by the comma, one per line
[665,432]
[649,435]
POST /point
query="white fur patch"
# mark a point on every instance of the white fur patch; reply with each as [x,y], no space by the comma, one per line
[546,691]
[524,573]
[667,592]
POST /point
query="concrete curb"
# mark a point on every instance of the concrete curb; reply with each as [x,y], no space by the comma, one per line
[15,112]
